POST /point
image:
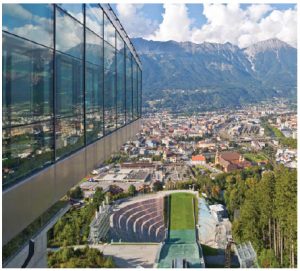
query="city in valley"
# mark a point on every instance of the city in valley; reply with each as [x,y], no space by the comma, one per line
[167,146]
[217,155]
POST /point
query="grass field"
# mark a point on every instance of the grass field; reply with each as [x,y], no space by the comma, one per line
[256,157]
[182,217]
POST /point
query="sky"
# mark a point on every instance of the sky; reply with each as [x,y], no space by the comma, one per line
[239,24]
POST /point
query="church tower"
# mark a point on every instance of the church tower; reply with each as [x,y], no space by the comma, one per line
[217,161]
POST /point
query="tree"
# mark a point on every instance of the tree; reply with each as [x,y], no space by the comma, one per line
[76,193]
[267,259]
[98,197]
[157,186]
[131,190]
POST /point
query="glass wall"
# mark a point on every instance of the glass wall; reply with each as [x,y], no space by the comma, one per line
[94,73]
[129,116]
[27,89]
[69,70]
[121,94]
[110,113]
[68,79]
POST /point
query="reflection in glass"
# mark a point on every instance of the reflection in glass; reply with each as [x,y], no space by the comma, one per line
[94,87]
[31,21]
[139,93]
[120,43]
[134,89]
[109,31]
[94,48]
[69,86]
[109,56]
[69,135]
[109,101]
[120,89]
[128,90]
[94,18]
[27,81]
[112,89]
[69,35]
[94,126]
[76,10]
[25,149]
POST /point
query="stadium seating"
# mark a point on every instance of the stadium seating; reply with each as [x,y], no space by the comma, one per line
[141,221]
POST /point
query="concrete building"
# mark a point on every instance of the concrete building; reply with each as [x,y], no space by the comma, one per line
[231,161]
[72,84]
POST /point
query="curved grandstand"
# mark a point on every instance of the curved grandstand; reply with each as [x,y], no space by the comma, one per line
[168,218]
[141,221]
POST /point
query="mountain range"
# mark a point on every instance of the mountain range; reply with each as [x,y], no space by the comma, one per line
[181,75]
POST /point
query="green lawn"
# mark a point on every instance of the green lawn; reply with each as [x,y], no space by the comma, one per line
[182,217]
[256,157]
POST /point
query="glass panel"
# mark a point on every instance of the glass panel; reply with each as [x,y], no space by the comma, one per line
[69,35]
[76,10]
[128,90]
[120,89]
[109,101]
[94,48]
[109,56]
[94,88]
[140,93]
[27,82]
[69,86]
[31,21]
[94,18]
[94,102]
[109,31]
[120,43]
[26,148]
[69,135]
[94,126]
[135,88]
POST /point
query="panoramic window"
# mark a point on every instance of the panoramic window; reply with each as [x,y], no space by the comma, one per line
[26,98]
[69,85]
[75,10]
[25,149]
[135,88]
[109,90]
[139,92]
[128,89]
[39,83]
[30,21]
[27,82]
[94,87]
[69,35]
[109,31]
[94,18]
[69,135]
[120,82]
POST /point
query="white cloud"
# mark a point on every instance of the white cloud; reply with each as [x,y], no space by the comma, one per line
[230,23]
[175,25]
[134,21]
[225,23]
